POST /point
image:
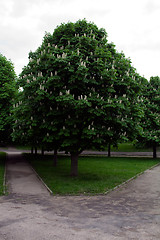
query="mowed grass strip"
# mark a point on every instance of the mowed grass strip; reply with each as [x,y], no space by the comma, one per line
[97,175]
[129,147]
[2,169]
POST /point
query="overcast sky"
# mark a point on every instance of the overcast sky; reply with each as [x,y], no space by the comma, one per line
[132,25]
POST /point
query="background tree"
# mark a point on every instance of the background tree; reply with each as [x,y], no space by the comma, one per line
[7,93]
[151,120]
[78,91]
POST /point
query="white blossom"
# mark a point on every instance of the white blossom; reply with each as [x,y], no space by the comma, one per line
[64,55]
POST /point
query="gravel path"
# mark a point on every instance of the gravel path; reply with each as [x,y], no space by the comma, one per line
[29,212]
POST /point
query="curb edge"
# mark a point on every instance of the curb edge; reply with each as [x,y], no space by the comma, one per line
[130,179]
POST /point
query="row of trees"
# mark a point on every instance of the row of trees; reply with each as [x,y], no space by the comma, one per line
[150,122]
[77,92]
[7,94]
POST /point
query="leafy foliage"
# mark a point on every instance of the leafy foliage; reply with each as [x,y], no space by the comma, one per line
[7,93]
[78,92]
[151,120]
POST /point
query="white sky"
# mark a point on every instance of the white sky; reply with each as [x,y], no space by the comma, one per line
[132,25]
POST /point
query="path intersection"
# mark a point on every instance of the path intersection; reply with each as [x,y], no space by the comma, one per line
[29,212]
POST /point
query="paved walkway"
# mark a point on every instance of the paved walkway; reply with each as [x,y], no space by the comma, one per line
[87,152]
[21,178]
[30,213]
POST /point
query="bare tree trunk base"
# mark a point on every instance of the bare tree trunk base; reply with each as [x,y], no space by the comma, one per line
[154,150]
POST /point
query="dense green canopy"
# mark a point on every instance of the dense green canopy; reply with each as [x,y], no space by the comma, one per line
[151,120]
[7,93]
[78,92]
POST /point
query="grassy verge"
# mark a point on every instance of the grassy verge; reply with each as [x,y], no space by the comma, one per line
[96,174]
[129,147]
[2,169]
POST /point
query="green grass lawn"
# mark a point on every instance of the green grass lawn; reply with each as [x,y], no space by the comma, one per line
[96,174]
[129,147]
[2,167]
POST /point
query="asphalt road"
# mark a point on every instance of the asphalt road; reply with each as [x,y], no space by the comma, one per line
[29,212]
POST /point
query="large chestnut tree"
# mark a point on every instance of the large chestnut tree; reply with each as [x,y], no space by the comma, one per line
[78,93]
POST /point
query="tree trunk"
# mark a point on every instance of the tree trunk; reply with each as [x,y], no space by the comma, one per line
[74,164]
[55,158]
[154,150]
[42,151]
[109,150]
[31,150]
[35,150]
